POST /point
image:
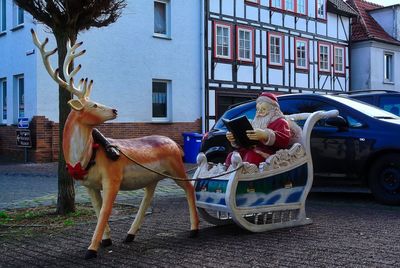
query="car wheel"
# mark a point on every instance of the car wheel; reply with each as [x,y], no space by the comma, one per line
[384,179]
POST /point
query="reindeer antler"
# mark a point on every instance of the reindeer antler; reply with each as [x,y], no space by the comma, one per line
[71,55]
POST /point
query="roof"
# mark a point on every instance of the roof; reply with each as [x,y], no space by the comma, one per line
[341,7]
[365,27]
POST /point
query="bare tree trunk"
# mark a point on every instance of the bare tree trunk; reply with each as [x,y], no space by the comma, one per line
[66,190]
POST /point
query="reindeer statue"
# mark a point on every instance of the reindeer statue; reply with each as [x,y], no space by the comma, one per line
[80,151]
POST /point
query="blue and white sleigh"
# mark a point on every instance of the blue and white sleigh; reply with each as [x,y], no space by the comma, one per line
[265,197]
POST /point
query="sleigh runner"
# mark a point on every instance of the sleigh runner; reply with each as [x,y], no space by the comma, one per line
[265,197]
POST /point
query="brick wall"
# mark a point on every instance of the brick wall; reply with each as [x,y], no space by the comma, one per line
[44,135]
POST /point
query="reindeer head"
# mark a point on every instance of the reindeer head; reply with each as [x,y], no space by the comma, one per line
[88,112]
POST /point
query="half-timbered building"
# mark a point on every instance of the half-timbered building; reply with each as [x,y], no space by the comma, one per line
[284,46]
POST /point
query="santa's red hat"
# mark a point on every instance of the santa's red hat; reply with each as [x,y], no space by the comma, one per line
[269,98]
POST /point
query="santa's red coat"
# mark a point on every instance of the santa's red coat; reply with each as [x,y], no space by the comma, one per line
[281,129]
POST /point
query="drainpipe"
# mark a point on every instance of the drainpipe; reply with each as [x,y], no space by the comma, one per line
[202,74]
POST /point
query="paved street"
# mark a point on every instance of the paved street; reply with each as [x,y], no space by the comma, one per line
[349,229]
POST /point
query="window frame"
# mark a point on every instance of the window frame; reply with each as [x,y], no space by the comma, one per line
[317,16]
[167,35]
[391,71]
[252,2]
[16,15]
[17,89]
[343,48]
[328,45]
[252,44]
[3,89]
[294,2]
[168,98]
[301,68]
[305,8]
[273,1]
[230,52]
[3,16]
[282,49]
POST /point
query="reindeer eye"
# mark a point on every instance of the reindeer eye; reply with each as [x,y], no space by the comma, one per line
[95,105]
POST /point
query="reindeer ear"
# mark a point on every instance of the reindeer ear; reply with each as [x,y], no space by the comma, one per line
[76,104]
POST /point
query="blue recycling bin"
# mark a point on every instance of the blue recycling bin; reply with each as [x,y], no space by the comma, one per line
[191,146]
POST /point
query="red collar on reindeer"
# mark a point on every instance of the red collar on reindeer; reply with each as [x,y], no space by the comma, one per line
[78,172]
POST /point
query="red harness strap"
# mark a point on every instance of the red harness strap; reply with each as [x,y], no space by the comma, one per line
[77,172]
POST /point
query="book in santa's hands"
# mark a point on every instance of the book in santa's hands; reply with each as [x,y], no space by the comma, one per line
[238,127]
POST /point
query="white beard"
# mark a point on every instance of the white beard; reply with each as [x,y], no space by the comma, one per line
[263,121]
[260,122]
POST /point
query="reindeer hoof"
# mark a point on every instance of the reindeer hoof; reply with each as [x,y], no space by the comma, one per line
[129,238]
[90,254]
[106,243]
[193,233]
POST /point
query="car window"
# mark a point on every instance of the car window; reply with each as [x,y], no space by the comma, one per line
[292,106]
[249,110]
[390,103]
[367,99]
[364,108]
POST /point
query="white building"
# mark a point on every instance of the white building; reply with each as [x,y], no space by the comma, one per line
[275,45]
[375,48]
[146,65]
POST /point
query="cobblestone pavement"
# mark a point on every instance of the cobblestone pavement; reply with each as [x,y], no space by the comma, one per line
[348,230]
[29,185]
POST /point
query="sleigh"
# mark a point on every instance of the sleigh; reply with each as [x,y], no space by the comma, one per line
[265,197]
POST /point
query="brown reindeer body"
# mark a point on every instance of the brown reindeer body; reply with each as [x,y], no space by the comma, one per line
[155,152]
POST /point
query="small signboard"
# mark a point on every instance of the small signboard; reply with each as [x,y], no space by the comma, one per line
[24,138]
[23,122]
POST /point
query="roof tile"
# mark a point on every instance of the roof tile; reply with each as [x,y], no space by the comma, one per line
[365,27]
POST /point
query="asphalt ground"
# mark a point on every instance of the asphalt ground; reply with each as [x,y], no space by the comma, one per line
[348,230]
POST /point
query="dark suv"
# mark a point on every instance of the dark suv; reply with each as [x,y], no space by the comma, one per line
[387,100]
[361,146]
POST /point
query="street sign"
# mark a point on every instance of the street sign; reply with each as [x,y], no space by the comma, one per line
[24,138]
[23,122]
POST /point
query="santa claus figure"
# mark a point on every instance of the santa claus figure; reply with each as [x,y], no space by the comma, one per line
[271,130]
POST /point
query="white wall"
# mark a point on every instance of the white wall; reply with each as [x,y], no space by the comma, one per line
[389,19]
[14,47]
[123,58]
[367,65]
[360,66]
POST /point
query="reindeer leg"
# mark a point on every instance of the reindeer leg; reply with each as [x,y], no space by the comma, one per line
[110,191]
[148,196]
[97,201]
[194,218]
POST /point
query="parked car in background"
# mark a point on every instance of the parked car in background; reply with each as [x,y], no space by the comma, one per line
[388,100]
[360,147]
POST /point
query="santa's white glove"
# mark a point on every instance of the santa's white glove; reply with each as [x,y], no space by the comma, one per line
[257,135]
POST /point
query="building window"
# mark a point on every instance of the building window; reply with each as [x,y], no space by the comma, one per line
[161,100]
[3,91]
[254,2]
[276,3]
[302,7]
[245,44]
[18,15]
[289,5]
[388,67]
[301,54]
[321,9]
[339,60]
[162,18]
[3,17]
[275,49]
[323,57]
[20,95]
[223,41]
